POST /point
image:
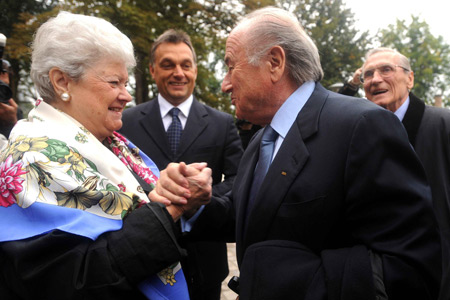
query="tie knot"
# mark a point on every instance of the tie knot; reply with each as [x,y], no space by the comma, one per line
[175,111]
[269,134]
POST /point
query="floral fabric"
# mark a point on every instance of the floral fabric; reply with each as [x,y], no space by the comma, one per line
[53,159]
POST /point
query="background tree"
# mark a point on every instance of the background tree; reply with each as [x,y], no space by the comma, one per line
[143,21]
[330,24]
[18,22]
[429,56]
[332,27]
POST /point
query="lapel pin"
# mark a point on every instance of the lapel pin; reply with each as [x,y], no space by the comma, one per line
[283,173]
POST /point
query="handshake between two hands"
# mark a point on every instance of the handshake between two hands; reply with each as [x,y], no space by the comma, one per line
[183,188]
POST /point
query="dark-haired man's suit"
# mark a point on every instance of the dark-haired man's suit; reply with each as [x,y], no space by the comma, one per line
[209,136]
[344,211]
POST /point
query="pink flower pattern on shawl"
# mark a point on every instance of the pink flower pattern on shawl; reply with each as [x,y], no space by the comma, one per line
[133,162]
[10,181]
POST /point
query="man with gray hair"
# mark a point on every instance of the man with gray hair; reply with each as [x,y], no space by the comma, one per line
[316,213]
[388,79]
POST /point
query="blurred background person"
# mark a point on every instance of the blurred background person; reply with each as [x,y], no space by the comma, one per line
[77,223]
[9,110]
[388,79]
[246,131]
[351,87]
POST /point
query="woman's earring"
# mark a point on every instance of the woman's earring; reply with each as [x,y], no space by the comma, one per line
[65,96]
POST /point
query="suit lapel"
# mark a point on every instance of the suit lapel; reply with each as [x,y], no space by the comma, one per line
[152,124]
[413,117]
[242,184]
[196,123]
[285,168]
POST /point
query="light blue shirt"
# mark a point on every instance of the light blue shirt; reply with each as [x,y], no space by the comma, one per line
[281,123]
[401,111]
[288,112]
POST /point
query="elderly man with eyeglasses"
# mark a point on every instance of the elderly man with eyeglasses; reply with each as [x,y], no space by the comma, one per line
[387,78]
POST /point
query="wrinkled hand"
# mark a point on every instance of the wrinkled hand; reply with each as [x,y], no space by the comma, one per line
[200,188]
[183,187]
[356,80]
[8,113]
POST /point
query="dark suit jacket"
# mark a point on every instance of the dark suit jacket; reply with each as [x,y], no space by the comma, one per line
[429,132]
[344,211]
[209,136]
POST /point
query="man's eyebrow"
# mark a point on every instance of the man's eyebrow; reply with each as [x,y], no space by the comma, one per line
[227,60]
[165,60]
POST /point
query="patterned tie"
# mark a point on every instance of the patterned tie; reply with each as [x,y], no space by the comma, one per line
[265,158]
[174,131]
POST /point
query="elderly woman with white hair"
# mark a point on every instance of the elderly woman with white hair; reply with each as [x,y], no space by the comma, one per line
[75,217]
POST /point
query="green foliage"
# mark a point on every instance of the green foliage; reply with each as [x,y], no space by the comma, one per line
[331,25]
[429,56]
[18,21]
[143,21]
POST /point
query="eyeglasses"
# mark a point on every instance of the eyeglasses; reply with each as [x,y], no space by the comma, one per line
[384,71]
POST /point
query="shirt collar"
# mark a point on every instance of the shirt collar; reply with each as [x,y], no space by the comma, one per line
[287,113]
[165,106]
[401,111]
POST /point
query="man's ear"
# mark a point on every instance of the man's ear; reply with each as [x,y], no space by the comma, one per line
[59,80]
[277,63]
[410,83]
[152,70]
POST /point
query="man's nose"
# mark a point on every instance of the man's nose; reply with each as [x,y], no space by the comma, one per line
[226,84]
[178,71]
[377,76]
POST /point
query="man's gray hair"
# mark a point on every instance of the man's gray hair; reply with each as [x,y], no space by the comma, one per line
[403,60]
[74,43]
[271,26]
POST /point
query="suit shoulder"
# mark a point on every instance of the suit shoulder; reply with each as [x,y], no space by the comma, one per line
[436,116]
[215,112]
[438,111]
[132,111]
[348,105]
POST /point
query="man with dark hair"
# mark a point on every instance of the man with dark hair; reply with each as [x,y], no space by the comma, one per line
[175,127]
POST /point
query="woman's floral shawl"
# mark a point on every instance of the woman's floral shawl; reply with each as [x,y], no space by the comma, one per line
[51,158]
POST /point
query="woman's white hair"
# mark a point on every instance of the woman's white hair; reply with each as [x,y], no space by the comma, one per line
[74,43]
[271,26]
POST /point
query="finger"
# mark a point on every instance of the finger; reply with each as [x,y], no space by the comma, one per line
[192,169]
[183,168]
[166,196]
[202,179]
[155,197]
[199,165]
[12,103]
[170,189]
[174,173]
